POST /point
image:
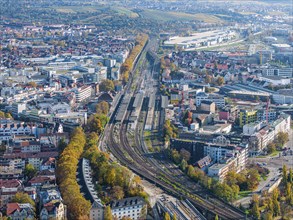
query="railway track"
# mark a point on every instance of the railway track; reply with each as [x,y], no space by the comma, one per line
[147,170]
[151,170]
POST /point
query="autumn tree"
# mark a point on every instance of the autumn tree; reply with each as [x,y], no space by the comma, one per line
[102,108]
[174,217]
[276,203]
[271,147]
[185,154]
[167,216]
[253,179]
[108,213]
[117,193]
[220,81]
[106,85]
[255,207]
[78,207]
[32,84]
[21,197]
[282,138]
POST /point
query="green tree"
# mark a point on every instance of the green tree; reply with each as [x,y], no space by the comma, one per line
[167,216]
[106,85]
[30,171]
[284,171]
[255,211]
[282,138]
[108,213]
[102,108]
[290,176]
[21,197]
[276,203]
[62,144]
[183,165]
[216,217]
[271,147]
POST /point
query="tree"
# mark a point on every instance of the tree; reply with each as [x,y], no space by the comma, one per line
[102,108]
[282,138]
[126,218]
[253,179]
[30,171]
[62,144]
[284,170]
[216,217]
[8,115]
[269,216]
[276,204]
[108,213]
[174,217]
[290,179]
[220,80]
[117,193]
[167,216]
[185,154]
[208,79]
[271,147]
[32,84]
[255,211]
[21,197]
[106,85]
[183,165]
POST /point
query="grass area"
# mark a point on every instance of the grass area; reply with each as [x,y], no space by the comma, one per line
[169,16]
[275,153]
[264,177]
[75,9]
[125,11]
[243,194]
[147,139]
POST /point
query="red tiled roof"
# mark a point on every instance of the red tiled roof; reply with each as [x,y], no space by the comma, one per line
[10,183]
[12,207]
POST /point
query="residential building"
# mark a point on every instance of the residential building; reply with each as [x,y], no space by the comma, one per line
[247,116]
[97,211]
[217,99]
[20,211]
[82,93]
[18,108]
[133,207]
[53,210]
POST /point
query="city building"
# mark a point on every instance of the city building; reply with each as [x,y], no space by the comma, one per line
[247,116]
[133,207]
[217,99]
[20,211]
[82,93]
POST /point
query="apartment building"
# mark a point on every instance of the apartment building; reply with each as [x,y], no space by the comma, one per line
[225,157]
[247,116]
[133,207]
[82,93]
[218,100]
